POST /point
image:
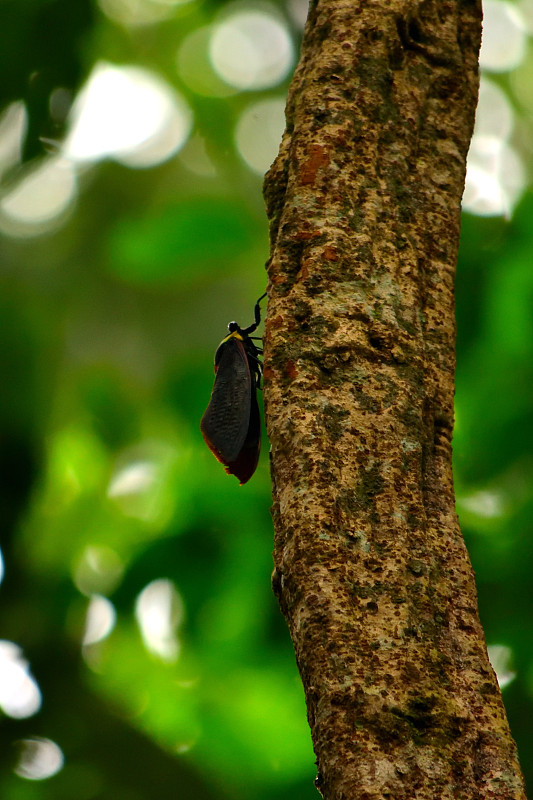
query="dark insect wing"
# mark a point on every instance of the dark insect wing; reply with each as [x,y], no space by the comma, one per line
[226,420]
[246,462]
[231,424]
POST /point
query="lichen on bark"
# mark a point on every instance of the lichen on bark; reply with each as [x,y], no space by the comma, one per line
[371,571]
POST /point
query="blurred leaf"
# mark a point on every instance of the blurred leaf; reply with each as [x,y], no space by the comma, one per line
[182,244]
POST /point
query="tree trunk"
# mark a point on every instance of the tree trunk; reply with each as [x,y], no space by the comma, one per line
[371,569]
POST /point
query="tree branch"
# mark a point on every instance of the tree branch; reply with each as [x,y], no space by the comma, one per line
[371,569]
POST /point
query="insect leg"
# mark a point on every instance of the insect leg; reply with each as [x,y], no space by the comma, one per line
[257,317]
[257,310]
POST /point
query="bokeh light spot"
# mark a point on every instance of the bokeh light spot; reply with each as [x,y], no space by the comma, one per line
[298,9]
[140,485]
[494,113]
[500,657]
[159,612]
[129,114]
[251,49]
[100,619]
[39,759]
[60,103]
[134,478]
[13,126]
[195,68]
[483,504]
[20,696]
[99,570]
[495,177]
[526,11]
[40,198]
[504,36]
[138,13]
[258,133]
[521,83]
[196,158]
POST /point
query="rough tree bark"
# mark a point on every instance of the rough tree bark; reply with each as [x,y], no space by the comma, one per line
[370,567]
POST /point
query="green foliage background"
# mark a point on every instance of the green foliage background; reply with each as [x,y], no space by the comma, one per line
[108,327]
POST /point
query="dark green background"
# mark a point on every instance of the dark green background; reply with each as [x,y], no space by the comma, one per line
[107,331]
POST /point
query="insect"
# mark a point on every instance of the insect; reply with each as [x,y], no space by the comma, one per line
[231,426]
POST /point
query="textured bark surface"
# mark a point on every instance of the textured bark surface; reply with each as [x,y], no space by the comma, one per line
[371,570]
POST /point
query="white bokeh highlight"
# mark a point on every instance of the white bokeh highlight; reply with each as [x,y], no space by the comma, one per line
[42,194]
[126,113]
[298,9]
[495,176]
[494,114]
[129,114]
[100,620]
[251,50]
[139,485]
[140,13]
[195,68]
[13,127]
[503,46]
[20,696]
[484,504]
[39,759]
[258,133]
[159,612]
[525,8]
[99,570]
[134,478]
[500,657]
